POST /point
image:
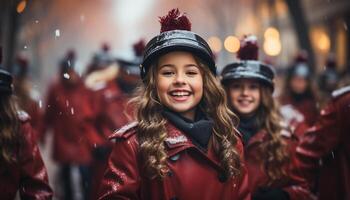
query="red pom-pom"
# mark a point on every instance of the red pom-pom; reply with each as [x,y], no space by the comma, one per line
[301,57]
[105,47]
[249,48]
[173,21]
[139,48]
[22,61]
[70,54]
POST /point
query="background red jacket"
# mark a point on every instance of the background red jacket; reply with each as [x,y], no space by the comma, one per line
[71,116]
[295,185]
[328,140]
[193,174]
[28,175]
[111,108]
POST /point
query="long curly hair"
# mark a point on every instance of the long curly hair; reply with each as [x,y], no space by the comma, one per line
[9,129]
[152,132]
[273,153]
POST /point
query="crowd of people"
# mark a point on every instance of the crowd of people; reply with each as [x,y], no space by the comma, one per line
[167,125]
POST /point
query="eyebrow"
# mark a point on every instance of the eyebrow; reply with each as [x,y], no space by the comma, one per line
[171,65]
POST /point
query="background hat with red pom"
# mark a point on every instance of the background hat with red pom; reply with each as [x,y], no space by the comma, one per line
[248,66]
[132,67]
[300,66]
[176,35]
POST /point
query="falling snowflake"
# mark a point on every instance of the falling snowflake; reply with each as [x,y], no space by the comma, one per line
[66,76]
[72,110]
[40,104]
[57,33]
[37,21]
[25,47]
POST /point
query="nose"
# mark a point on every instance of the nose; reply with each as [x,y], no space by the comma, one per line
[179,79]
[244,91]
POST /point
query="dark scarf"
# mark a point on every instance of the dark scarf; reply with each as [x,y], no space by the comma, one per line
[248,128]
[199,130]
[301,97]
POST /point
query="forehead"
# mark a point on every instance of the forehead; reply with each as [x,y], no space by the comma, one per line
[177,57]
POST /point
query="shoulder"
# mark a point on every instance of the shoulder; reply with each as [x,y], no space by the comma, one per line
[124,132]
[340,92]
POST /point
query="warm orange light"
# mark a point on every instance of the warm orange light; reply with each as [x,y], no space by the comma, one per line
[281,8]
[272,46]
[321,40]
[271,32]
[215,44]
[232,44]
[21,6]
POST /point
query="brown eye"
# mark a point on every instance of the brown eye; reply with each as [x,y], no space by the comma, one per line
[253,86]
[235,86]
[192,73]
[167,73]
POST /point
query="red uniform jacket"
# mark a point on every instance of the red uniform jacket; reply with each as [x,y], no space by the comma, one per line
[306,107]
[36,116]
[295,185]
[111,105]
[193,173]
[28,175]
[329,139]
[111,108]
[70,114]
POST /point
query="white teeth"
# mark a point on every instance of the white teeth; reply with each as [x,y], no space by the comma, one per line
[182,93]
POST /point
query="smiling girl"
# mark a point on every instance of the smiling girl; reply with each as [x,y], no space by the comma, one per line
[269,145]
[184,144]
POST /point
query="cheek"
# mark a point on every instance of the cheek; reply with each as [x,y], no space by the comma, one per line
[257,97]
[161,88]
[233,95]
[197,86]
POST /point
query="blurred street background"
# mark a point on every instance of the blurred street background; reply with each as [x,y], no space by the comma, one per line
[42,32]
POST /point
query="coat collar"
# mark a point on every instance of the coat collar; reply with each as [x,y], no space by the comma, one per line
[177,141]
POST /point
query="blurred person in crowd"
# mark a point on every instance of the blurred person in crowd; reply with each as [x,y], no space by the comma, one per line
[114,111]
[28,98]
[325,148]
[328,79]
[21,167]
[299,98]
[100,60]
[269,144]
[70,115]
[184,138]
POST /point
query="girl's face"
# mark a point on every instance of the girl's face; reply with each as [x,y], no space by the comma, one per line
[179,83]
[244,95]
[298,84]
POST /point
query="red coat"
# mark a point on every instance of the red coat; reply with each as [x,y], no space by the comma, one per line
[111,105]
[193,173]
[307,107]
[295,185]
[329,139]
[70,114]
[28,175]
[111,108]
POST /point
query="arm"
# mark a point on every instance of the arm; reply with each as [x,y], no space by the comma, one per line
[34,180]
[121,179]
[320,139]
[298,187]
